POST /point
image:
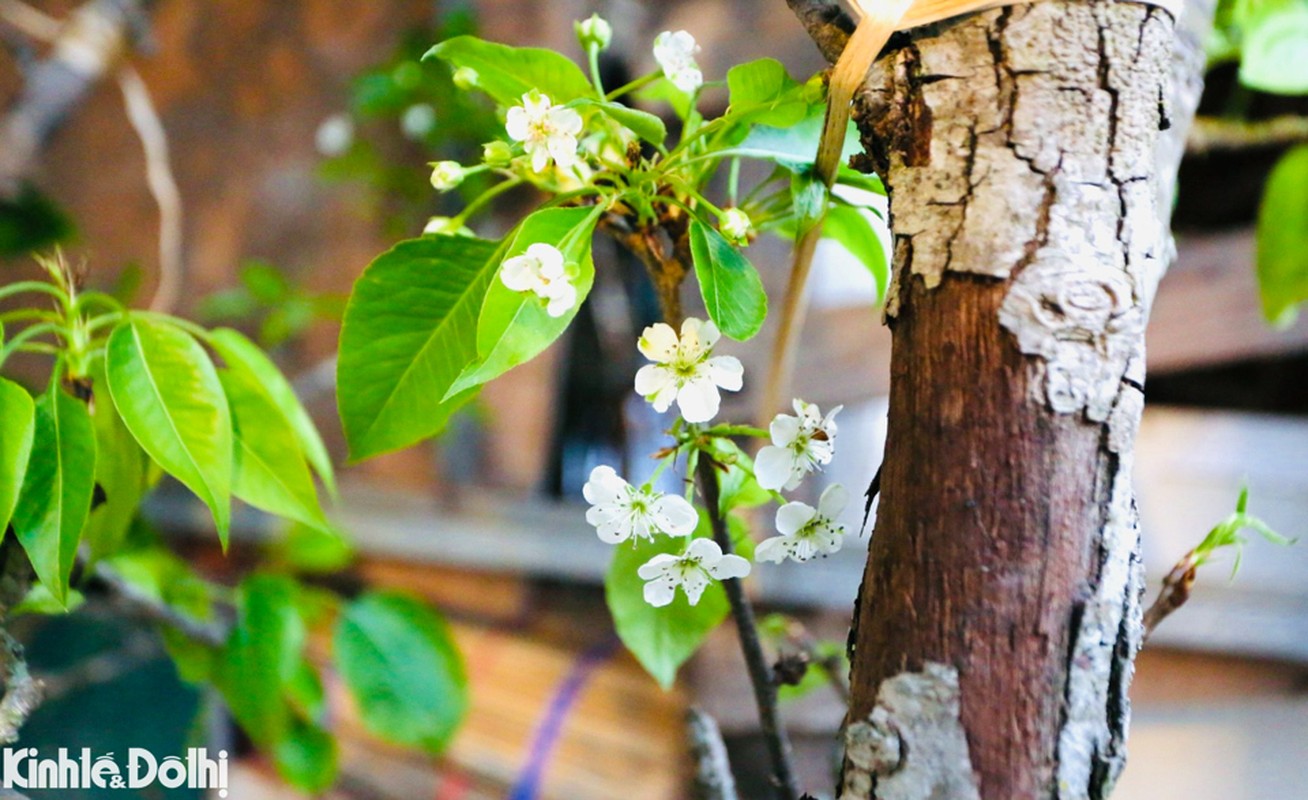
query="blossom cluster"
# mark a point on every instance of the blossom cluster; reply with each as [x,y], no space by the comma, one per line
[684,370]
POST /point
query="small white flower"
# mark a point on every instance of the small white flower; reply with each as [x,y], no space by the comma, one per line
[807,531]
[594,31]
[692,571]
[446,175]
[800,444]
[675,53]
[620,511]
[686,370]
[546,131]
[334,136]
[541,270]
[736,226]
[417,121]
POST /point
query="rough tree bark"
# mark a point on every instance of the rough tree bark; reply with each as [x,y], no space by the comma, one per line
[999,617]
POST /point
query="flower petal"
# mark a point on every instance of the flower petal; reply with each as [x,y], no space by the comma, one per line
[833,501]
[604,486]
[562,299]
[517,123]
[695,583]
[730,566]
[654,378]
[706,550]
[658,342]
[773,549]
[698,399]
[660,593]
[674,515]
[773,467]
[727,372]
[519,273]
[657,566]
[784,430]
[793,516]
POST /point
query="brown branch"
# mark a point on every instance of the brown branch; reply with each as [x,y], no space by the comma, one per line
[713,778]
[827,24]
[760,673]
[144,606]
[1213,134]
[1175,593]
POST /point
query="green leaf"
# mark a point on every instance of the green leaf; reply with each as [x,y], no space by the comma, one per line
[738,488]
[40,601]
[642,123]
[158,574]
[269,471]
[1283,239]
[17,420]
[853,230]
[400,663]
[732,290]
[243,355]
[793,147]
[809,197]
[120,470]
[306,549]
[1275,49]
[56,495]
[514,327]
[263,655]
[167,392]
[410,329]
[661,639]
[306,757]
[763,92]
[507,73]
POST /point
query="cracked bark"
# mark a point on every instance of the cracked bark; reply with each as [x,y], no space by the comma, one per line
[1019,146]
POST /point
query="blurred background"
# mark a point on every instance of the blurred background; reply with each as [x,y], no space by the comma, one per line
[298,132]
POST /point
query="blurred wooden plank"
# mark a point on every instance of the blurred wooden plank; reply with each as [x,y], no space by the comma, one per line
[1207,311]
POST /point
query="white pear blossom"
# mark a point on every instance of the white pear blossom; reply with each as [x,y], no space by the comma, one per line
[800,444]
[542,271]
[675,53]
[620,511]
[702,562]
[545,130]
[446,175]
[736,226]
[807,531]
[686,370]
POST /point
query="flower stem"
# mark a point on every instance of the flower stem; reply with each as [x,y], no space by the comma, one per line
[760,673]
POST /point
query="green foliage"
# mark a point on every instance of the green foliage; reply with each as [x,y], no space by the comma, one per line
[732,290]
[30,221]
[280,309]
[661,639]
[507,73]
[514,327]
[410,329]
[851,228]
[1282,260]
[17,418]
[762,92]
[399,661]
[56,496]
[1229,533]
[169,396]
[1270,40]
[121,470]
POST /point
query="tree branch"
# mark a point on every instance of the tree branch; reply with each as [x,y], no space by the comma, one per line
[146,607]
[827,24]
[760,673]
[1175,593]
[1214,134]
[713,778]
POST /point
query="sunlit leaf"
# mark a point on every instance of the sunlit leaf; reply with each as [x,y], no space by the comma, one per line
[1283,239]
[507,73]
[732,290]
[17,423]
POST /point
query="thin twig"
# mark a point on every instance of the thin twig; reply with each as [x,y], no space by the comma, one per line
[23,693]
[713,778]
[163,186]
[1213,134]
[760,673]
[1175,593]
[29,21]
[146,607]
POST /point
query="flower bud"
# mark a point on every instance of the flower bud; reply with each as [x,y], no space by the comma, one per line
[736,226]
[446,175]
[594,31]
[497,154]
[466,78]
[445,226]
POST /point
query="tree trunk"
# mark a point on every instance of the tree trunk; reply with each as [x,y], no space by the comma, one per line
[999,616]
